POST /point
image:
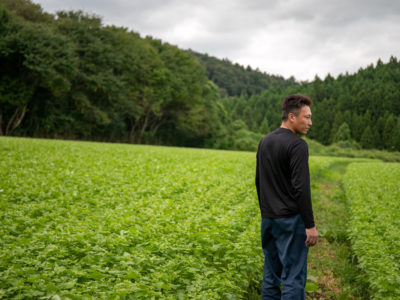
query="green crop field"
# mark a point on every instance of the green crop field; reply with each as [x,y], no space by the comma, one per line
[106,220]
[113,221]
[374,193]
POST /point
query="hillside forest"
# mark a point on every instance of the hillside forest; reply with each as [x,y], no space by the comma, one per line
[68,76]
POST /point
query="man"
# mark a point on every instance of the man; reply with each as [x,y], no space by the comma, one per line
[283,189]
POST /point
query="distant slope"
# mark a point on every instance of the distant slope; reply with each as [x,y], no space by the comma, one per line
[236,80]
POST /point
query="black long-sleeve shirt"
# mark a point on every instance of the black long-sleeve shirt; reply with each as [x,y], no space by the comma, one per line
[283,177]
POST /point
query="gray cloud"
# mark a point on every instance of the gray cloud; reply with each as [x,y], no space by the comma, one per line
[286,37]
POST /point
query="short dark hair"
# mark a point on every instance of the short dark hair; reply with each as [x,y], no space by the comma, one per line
[293,104]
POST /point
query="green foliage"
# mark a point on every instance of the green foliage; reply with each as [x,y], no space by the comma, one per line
[350,149]
[367,98]
[106,221]
[27,10]
[82,80]
[261,110]
[388,136]
[33,59]
[264,127]
[238,137]
[367,138]
[331,261]
[373,191]
[235,80]
[343,133]
[190,95]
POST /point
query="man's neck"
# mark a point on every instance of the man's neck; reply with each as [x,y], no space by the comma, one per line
[285,125]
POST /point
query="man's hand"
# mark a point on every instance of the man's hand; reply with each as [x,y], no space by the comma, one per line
[312,236]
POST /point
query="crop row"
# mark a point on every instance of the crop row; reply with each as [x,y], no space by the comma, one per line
[373,190]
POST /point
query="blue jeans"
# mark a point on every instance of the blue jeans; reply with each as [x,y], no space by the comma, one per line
[285,266]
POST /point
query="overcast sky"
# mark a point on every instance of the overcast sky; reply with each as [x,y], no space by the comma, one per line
[283,37]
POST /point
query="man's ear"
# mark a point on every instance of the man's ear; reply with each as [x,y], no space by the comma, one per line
[291,116]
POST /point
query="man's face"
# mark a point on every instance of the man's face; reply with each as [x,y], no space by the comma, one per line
[302,122]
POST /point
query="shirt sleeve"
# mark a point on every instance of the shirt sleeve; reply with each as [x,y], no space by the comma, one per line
[300,178]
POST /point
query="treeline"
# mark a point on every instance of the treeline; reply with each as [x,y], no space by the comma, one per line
[236,80]
[68,76]
[358,110]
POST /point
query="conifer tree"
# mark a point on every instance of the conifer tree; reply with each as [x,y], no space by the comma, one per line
[388,131]
[264,127]
[367,138]
[343,133]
